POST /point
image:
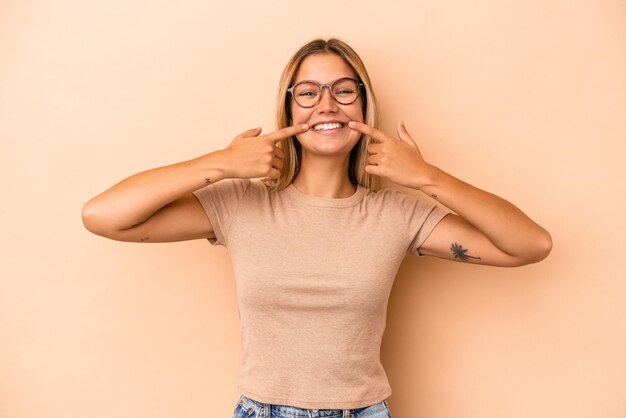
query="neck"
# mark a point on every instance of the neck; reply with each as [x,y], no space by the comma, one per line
[325,176]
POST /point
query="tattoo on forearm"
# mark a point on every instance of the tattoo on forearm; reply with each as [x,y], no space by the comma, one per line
[459,252]
[208,180]
[144,239]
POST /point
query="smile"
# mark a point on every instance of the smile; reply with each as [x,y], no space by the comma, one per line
[327,126]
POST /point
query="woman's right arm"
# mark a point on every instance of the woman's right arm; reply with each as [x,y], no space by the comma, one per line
[158,205]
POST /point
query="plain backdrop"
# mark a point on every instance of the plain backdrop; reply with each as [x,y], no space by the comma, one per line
[525,99]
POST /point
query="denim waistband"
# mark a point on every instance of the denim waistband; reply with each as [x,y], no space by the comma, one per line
[263,410]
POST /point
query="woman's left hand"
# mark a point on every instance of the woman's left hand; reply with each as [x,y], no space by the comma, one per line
[396,159]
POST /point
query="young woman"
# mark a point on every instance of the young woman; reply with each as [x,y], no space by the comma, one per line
[316,244]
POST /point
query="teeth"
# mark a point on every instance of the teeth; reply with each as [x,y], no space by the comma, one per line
[326,126]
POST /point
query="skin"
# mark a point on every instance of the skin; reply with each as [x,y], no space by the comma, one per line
[157,205]
[325,158]
[486,229]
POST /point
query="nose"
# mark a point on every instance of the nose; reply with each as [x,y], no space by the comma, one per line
[327,102]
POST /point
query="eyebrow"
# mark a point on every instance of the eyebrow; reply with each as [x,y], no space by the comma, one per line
[315,81]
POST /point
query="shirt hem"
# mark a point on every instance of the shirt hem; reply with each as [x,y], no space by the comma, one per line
[297,403]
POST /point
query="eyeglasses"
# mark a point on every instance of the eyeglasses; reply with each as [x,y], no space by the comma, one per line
[309,93]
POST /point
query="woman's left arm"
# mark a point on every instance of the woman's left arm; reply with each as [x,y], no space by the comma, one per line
[487,230]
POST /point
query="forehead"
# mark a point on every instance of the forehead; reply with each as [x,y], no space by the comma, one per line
[323,68]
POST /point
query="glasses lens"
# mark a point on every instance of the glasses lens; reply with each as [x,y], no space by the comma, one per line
[346,91]
[306,94]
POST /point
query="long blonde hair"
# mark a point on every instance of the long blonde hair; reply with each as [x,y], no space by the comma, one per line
[291,146]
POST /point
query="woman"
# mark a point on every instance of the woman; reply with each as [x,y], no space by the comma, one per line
[316,244]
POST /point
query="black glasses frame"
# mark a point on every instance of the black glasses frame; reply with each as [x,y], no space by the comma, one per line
[330,89]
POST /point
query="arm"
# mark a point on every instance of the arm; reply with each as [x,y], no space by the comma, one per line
[157,205]
[487,230]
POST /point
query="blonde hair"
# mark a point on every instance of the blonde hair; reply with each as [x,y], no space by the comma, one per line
[291,146]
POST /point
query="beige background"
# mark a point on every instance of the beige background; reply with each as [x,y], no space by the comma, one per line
[526,99]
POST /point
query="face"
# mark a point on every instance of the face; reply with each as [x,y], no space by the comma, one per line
[326,68]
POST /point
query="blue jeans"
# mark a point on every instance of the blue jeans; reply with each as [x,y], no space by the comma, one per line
[249,408]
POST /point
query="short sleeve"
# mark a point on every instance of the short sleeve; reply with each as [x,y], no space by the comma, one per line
[220,202]
[421,217]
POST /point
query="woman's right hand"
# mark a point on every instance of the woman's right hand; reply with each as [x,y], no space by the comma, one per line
[157,205]
[252,156]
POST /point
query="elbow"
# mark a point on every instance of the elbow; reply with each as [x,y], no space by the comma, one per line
[88,218]
[97,220]
[91,220]
[547,245]
[541,248]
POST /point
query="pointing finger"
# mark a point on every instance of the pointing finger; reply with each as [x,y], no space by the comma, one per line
[287,132]
[367,130]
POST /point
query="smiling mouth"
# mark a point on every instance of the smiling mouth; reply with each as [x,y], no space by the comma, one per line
[328,127]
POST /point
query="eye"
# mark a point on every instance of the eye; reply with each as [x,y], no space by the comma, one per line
[344,91]
[306,90]
[346,88]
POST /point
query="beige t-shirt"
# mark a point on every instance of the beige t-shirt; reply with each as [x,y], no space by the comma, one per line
[313,277]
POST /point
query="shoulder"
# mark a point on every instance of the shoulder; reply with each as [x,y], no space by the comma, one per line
[386,195]
[406,203]
[245,188]
[226,187]
[385,201]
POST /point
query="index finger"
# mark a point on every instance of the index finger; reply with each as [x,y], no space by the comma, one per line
[287,132]
[367,130]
